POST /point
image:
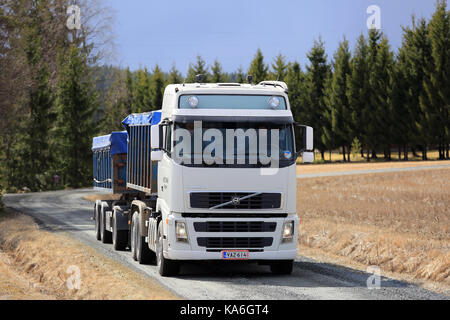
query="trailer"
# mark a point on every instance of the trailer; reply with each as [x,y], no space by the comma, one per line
[209,177]
[109,162]
[110,175]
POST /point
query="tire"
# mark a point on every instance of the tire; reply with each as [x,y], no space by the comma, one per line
[143,253]
[282,267]
[106,235]
[140,250]
[119,237]
[98,235]
[134,234]
[166,267]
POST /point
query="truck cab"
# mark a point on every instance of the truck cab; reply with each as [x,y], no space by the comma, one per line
[227,174]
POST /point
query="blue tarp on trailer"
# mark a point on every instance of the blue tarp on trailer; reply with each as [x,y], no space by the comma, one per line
[116,141]
[146,118]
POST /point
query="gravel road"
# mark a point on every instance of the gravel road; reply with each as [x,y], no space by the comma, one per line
[385,170]
[68,211]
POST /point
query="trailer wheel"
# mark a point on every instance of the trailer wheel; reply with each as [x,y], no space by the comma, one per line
[98,235]
[119,237]
[282,267]
[106,235]
[166,267]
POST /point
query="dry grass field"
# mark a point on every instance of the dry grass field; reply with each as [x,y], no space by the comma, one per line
[34,265]
[101,196]
[398,221]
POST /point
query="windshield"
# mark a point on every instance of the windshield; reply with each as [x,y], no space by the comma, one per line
[233,144]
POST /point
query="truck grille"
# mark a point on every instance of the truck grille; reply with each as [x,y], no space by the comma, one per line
[232,243]
[235,226]
[206,200]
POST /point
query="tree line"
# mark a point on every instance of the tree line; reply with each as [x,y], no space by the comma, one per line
[55,95]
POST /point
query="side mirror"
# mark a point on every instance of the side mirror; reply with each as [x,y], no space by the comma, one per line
[308,157]
[306,136]
[156,155]
[155,137]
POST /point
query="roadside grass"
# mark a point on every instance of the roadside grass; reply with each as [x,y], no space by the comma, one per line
[34,264]
[101,196]
[397,221]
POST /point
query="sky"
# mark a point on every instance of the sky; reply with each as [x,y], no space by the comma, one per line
[168,32]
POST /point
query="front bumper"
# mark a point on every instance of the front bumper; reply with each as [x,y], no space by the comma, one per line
[192,250]
[203,255]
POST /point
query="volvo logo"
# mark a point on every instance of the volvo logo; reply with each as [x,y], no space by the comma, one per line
[235,200]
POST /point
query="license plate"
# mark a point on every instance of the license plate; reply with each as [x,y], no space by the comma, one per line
[235,254]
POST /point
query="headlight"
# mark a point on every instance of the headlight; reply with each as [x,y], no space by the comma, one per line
[274,102]
[288,231]
[193,102]
[181,231]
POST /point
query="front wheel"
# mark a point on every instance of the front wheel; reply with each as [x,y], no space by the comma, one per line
[166,267]
[282,267]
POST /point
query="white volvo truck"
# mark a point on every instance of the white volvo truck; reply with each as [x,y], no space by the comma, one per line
[211,176]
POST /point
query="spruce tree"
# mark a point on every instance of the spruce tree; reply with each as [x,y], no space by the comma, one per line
[295,80]
[174,76]
[318,71]
[199,68]
[36,156]
[337,100]
[240,76]
[217,75]
[358,91]
[328,138]
[116,103]
[258,69]
[418,59]
[130,86]
[142,92]
[380,85]
[369,111]
[435,99]
[402,121]
[279,68]
[157,88]
[77,103]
